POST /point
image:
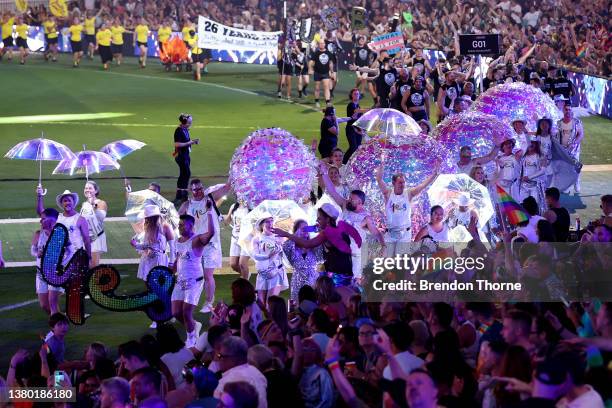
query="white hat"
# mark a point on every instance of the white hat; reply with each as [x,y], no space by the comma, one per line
[519,119]
[75,198]
[264,216]
[463,200]
[151,210]
[330,210]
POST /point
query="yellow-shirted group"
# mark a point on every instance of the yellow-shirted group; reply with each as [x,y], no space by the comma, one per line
[107,39]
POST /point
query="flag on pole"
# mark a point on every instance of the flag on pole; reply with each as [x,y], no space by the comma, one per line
[58,8]
[513,210]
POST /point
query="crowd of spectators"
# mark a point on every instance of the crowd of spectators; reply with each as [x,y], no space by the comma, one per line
[565,33]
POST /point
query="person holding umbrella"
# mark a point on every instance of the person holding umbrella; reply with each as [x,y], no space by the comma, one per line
[94,211]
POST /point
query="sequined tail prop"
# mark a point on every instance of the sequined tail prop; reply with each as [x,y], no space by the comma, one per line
[101,282]
[174,52]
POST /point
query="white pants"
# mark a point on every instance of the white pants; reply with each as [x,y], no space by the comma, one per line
[43,287]
[398,242]
[236,250]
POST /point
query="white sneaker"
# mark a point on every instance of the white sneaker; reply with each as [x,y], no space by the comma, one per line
[153,325]
[207,308]
[317,105]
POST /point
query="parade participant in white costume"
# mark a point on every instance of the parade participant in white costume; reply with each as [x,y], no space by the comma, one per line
[78,230]
[211,257]
[189,273]
[158,236]
[464,214]
[569,135]
[544,136]
[437,229]
[466,161]
[48,295]
[94,211]
[354,214]
[508,168]
[531,177]
[267,252]
[522,136]
[239,257]
[398,210]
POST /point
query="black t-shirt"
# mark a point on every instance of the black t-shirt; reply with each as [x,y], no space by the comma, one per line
[548,85]
[419,61]
[452,91]
[181,135]
[416,97]
[350,111]
[385,80]
[562,86]
[401,87]
[322,61]
[332,48]
[327,137]
[363,56]
[561,224]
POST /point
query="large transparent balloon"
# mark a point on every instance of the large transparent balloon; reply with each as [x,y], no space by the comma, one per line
[416,159]
[517,100]
[272,164]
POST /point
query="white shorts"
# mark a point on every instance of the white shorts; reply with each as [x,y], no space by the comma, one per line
[43,287]
[99,245]
[211,258]
[235,249]
[189,292]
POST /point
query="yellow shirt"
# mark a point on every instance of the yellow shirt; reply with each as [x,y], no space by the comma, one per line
[117,32]
[22,31]
[103,37]
[75,32]
[142,32]
[193,43]
[186,35]
[7,28]
[50,29]
[90,26]
[163,33]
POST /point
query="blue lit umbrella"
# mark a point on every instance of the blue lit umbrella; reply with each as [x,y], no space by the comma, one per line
[392,124]
[87,162]
[121,148]
[40,149]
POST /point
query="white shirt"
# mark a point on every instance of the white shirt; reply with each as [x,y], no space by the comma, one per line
[398,210]
[175,363]
[590,399]
[249,374]
[407,361]
[532,18]
[529,231]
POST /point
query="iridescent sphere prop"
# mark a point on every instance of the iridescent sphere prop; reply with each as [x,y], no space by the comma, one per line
[416,160]
[517,100]
[271,164]
[474,129]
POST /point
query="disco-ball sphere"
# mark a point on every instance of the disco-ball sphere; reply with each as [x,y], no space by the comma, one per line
[272,164]
[416,160]
[517,100]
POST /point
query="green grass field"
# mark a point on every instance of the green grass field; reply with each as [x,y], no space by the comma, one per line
[226,105]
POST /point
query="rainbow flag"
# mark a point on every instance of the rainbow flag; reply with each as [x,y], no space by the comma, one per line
[515,213]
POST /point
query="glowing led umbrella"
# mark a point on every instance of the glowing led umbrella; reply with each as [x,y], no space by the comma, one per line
[87,162]
[447,188]
[393,124]
[284,212]
[121,148]
[136,202]
[40,149]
